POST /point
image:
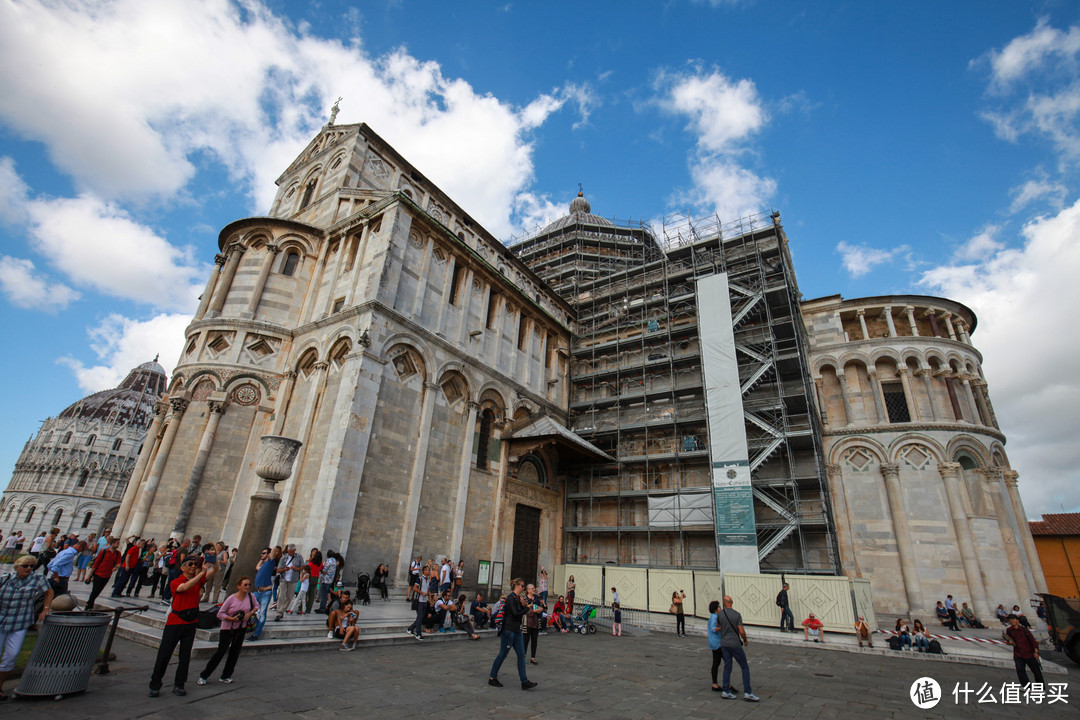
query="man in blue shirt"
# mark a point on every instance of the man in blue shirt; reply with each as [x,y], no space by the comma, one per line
[62,565]
[264,588]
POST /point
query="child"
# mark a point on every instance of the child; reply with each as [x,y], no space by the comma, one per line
[616,624]
[301,592]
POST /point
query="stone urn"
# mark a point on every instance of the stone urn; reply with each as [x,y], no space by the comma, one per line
[275,459]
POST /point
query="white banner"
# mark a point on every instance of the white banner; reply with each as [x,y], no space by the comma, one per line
[683,509]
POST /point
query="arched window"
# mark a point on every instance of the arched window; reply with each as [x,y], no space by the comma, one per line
[116,444]
[67,438]
[308,192]
[30,513]
[288,266]
[487,421]
[84,475]
[91,440]
[56,518]
[10,512]
[86,519]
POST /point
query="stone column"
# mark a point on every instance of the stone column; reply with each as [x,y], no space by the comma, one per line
[1011,478]
[451,263]
[929,383]
[862,323]
[910,312]
[982,399]
[932,317]
[146,498]
[315,283]
[887,312]
[150,443]
[211,283]
[841,377]
[904,546]
[466,303]
[191,492]
[421,284]
[821,401]
[357,266]
[334,274]
[416,484]
[954,495]
[504,465]
[273,464]
[284,394]
[304,430]
[969,398]
[954,401]
[464,471]
[909,394]
[879,403]
[948,324]
[260,284]
[235,254]
[961,328]
[845,542]
[1006,523]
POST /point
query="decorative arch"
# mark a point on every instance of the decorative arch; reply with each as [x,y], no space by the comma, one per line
[306,359]
[533,470]
[824,361]
[495,395]
[966,444]
[874,451]
[407,362]
[455,387]
[246,390]
[339,351]
[402,338]
[257,238]
[291,241]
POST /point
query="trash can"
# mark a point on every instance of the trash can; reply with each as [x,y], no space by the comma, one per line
[65,653]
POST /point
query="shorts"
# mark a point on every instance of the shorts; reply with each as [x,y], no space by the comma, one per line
[338,633]
[84,561]
[814,633]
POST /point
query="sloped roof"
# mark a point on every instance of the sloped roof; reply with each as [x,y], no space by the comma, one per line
[546,427]
[1057,524]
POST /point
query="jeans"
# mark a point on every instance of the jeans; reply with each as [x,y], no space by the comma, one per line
[1021,671]
[922,643]
[510,639]
[680,624]
[738,655]
[11,643]
[166,592]
[263,598]
[173,634]
[324,590]
[905,641]
[417,628]
[122,577]
[787,619]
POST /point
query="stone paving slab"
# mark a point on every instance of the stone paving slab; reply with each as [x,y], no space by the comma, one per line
[654,675]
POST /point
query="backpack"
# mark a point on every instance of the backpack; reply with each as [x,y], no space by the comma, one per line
[778,603]
[173,557]
[895,643]
[497,617]
[935,648]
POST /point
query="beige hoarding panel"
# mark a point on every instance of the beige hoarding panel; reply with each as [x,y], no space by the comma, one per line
[829,598]
[589,580]
[708,586]
[864,601]
[662,583]
[632,584]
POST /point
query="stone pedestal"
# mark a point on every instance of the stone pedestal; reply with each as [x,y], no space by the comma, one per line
[273,465]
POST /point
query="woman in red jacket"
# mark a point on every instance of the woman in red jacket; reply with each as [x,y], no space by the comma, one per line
[107,560]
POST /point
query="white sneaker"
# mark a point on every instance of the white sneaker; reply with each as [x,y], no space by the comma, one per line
[202,680]
[227,681]
[751,697]
[330,635]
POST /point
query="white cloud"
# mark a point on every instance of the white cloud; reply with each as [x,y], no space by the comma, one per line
[1034,190]
[861,259]
[1028,53]
[121,343]
[145,83]
[13,193]
[1037,82]
[536,211]
[1026,298]
[28,289]
[724,115]
[981,246]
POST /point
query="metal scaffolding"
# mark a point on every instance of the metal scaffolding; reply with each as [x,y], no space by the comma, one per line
[638,391]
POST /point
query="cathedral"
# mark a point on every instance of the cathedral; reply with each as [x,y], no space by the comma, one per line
[595,393]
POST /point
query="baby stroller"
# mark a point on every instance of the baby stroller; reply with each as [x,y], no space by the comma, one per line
[363,588]
[582,623]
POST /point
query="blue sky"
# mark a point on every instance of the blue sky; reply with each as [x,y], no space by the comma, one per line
[919,147]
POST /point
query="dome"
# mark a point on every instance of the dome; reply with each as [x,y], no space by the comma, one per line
[580,213]
[130,403]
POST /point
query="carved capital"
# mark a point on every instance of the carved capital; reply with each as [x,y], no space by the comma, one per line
[902,372]
[891,471]
[219,260]
[273,249]
[217,407]
[1011,477]
[921,372]
[949,469]
[995,472]
[872,374]
[178,405]
[834,470]
[431,385]
[321,365]
[860,312]
[842,379]
[470,405]
[237,249]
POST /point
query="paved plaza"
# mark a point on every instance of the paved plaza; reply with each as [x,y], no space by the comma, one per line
[648,675]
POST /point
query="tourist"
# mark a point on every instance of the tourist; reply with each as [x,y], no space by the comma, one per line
[862,632]
[212,555]
[728,636]
[263,588]
[812,629]
[1025,651]
[314,569]
[414,576]
[19,591]
[288,570]
[542,584]
[445,572]
[1002,615]
[1019,616]
[459,574]
[787,618]
[82,563]
[35,549]
[570,586]
[514,611]
[567,618]
[62,566]
[616,619]
[147,560]
[677,598]
[101,569]
[480,611]
[920,636]
[904,634]
[180,625]
[235,614]
[462,619]
[614,596]
[157,570]
[344,627]
[942,614]
[444,609]
[533,620]
[950,609]
[127,566]
[968,616]
[298,605]
[420,593]
[14,539]
[326,581]
[381,573]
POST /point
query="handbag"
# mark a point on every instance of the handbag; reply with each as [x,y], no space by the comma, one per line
[252,622]
[673,609]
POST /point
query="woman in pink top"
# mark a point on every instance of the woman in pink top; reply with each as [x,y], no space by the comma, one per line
[234,614]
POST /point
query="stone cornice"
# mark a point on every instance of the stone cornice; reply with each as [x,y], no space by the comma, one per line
[902,428]
[237,324]
[900,343]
